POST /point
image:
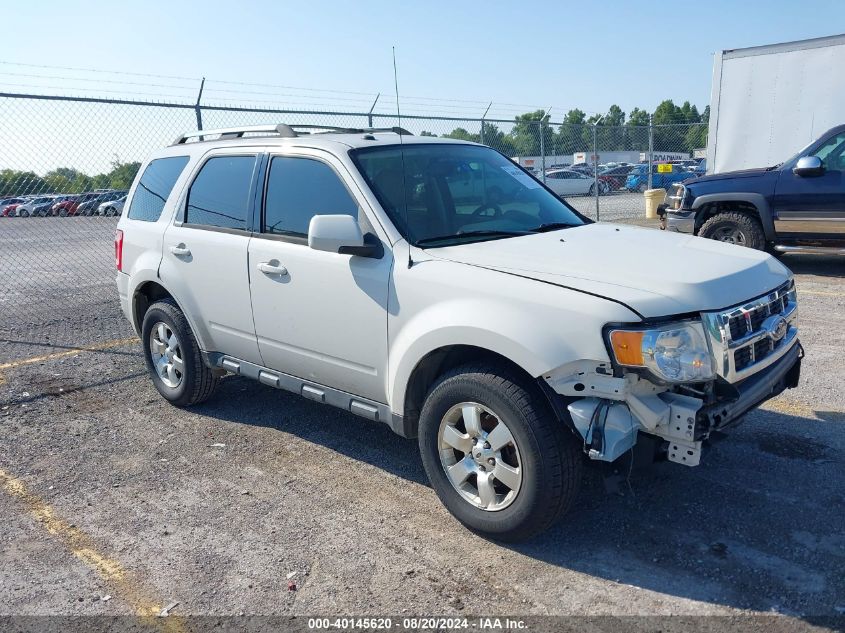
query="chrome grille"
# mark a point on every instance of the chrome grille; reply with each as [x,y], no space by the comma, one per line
[747,338]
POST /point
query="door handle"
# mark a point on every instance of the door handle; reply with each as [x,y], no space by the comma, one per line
[180,251]
[270,269]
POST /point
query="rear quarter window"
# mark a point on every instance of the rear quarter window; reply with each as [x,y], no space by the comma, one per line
[154,188]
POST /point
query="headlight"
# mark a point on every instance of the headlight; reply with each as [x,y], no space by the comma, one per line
[675,352]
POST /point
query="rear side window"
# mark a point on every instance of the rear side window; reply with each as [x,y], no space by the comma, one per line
[300,188]
[219,195]
[154,187]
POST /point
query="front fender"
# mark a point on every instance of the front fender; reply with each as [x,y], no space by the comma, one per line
[537,326]
[758,200]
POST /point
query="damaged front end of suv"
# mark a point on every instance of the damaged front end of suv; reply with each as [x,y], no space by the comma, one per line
[682,380]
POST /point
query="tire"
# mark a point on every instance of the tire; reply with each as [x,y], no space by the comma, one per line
[640,188]
[196,382]
[592,191]
[62,213]
[23,214]
[548,456]
[735,227]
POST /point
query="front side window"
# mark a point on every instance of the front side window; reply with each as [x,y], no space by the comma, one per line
[154,187]
[300,188]
[831,153]
[219,195]
[441,194]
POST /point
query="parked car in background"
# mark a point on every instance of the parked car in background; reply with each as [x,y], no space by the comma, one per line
[795,207]
[111,207]
[9,211]
[615,177]
[90,207]
[70,206]
[27,208]
[567,182]
[7,202]
[637,180]
[584,168]
[46,208]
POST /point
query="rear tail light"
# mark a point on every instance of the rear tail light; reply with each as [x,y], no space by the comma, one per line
[118,249]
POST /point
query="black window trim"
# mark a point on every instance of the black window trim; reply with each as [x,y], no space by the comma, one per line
[250,211]
[302,240]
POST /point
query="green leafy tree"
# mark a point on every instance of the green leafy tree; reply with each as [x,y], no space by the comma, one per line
[526,133]
[21,183]
[571,133]
[120,176]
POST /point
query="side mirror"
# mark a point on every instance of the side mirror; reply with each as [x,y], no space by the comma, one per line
[341,234]
[808,166]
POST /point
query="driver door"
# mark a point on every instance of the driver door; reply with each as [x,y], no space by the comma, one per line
[808,207]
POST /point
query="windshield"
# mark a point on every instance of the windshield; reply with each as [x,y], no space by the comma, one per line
[452,193]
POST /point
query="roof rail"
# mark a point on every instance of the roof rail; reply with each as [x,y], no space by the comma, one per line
[282,129]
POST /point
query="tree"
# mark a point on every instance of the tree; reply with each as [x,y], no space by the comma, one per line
[497,139]
[526,133]
[120,177]
[614,116]
[638,118]
[21,183]
[462,135]
[571,133]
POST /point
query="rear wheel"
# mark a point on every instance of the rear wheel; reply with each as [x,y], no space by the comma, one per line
[24,213]
[735,227]
[173,357]
[495,454]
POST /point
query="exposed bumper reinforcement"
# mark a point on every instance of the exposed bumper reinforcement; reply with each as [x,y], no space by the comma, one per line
[755,390]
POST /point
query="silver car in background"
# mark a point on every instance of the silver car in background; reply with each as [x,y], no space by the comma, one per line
[111,207]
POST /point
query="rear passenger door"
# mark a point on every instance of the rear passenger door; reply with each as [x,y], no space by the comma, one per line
[318,316]
[204,260]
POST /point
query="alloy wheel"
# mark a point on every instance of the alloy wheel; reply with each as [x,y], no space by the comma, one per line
[166,354]
[479,454]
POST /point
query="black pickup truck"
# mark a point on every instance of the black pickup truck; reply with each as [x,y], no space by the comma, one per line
[796,206]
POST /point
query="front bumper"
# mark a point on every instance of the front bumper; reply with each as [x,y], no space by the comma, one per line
[681,221]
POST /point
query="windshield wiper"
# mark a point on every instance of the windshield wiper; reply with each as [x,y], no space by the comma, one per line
[470,234]
[554,226]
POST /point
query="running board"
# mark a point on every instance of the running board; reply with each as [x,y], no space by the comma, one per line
[363,407]
[812,250]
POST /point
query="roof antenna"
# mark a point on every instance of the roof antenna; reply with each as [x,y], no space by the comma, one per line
[402,154]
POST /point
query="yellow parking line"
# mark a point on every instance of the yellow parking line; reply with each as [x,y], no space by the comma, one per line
[84,548]
[70,352]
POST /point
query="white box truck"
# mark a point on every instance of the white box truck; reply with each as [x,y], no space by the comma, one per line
[767,102]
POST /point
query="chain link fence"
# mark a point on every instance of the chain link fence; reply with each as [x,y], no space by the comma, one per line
[67,162]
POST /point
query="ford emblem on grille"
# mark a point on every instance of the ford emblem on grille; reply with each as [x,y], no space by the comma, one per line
[775,326]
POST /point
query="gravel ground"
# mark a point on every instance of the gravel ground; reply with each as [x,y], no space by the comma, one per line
[109,491]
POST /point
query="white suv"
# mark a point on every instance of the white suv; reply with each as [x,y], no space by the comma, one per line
[437,287]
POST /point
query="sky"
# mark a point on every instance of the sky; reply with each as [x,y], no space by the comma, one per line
[452,57]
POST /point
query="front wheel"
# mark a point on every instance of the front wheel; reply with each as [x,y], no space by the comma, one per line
[173,357]
[495,454]
[735,227]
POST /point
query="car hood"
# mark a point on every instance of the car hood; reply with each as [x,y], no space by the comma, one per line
[725,175]
[655,273]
